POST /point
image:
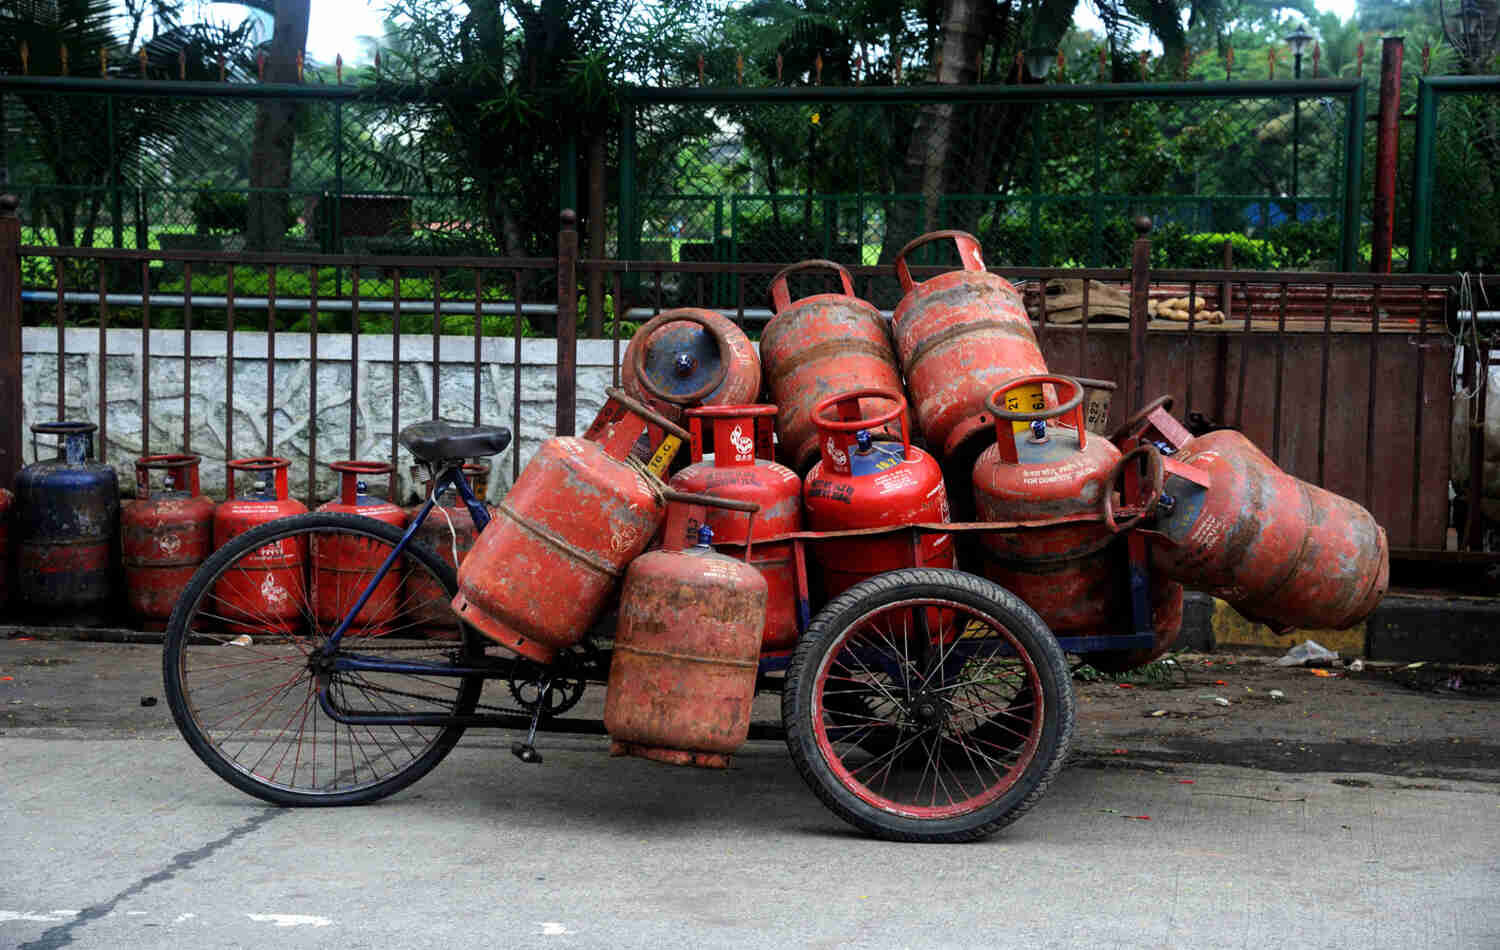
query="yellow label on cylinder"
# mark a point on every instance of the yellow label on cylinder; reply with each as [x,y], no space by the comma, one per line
[1027,398]
[664,455]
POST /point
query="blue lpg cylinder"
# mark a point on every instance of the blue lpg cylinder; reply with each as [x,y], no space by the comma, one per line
[67,526]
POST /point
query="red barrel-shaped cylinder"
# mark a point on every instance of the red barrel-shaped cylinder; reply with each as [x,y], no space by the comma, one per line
[1045,465]
[682,677]
[448,532]
[960,336]
[165,533]
[265,593]
[690,357]
[822,346]
[1279,550]
[740,470]
[540,573]
[344,564]
[863,482]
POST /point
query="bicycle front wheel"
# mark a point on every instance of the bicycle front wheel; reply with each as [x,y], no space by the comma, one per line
[244,670]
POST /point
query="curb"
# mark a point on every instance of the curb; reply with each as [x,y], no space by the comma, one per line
[1404,628]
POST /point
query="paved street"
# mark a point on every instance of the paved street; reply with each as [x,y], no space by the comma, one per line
[118,837]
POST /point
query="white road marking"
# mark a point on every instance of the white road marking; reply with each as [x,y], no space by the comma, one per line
[184,917]
[553,929]
[40,917]
[290,920]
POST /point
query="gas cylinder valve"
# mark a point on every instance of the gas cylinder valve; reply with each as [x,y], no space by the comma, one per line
[1165,448]
[1038,430]
[862,440]
[684,365]
[360,488]
[1165,505]
[705,536]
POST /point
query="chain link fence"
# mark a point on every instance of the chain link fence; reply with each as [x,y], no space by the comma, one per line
[1044,176]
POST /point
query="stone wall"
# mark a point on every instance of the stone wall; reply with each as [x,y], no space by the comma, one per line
[368,405]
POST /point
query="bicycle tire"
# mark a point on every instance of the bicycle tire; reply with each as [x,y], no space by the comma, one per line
[202,679]
[939,699]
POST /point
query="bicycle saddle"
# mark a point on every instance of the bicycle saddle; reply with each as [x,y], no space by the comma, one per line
[438,440]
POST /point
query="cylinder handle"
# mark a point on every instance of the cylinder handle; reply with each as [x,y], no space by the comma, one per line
[179,468]
[781,298]
[839,434]
[969,253]
[1008,410]
[1155,481]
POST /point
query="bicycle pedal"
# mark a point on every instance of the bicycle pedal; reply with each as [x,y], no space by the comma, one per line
[526,752]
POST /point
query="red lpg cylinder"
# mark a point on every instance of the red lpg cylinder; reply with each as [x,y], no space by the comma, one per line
[861,482]
[682,677]
[737,473]
[448,527]
[690,357]
[165,533]
[1044,465]
[6,501]
[1279,550]
[960,336]
[267,595]
[343,564]
[818,347]
[540,573]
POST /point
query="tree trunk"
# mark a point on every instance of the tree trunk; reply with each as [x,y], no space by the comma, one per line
[275,132]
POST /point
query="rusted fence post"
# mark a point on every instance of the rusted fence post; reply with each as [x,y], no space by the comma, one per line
[1140,293]
[567,323]
[1387,143]
[10,339]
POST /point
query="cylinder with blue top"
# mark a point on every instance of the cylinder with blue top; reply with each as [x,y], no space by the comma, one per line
[863,481]
[67,525]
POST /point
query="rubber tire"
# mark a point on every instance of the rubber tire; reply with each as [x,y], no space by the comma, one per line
[976,592]
[203,581]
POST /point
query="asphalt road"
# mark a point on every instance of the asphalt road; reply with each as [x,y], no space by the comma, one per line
[114,835]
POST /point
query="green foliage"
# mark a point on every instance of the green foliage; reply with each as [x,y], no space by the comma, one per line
[226,212]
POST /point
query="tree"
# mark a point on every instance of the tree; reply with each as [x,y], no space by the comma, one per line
[276,129]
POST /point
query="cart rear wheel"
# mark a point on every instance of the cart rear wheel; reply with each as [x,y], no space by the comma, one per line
[928,705]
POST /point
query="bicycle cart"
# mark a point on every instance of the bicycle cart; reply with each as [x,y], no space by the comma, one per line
[920,704]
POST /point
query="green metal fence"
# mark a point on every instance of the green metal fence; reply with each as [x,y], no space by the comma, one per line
[1456,175]
[1044,175]
[96,164]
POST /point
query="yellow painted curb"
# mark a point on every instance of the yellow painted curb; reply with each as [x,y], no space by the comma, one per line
[1231,629]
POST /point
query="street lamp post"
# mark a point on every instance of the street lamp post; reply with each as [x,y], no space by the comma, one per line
[1298,42]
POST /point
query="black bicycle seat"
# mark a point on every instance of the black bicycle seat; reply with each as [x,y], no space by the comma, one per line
[438,440]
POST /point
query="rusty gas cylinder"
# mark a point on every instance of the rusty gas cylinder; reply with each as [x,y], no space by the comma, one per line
[542,570]
[265,593]
[818,347]
[165,533]
[863,482]
[67,519]
[690,357]
[682,677]
[7,501]
[741,470]
[1042,466]
[960,336]
[344,564]
[448,532]
[1279,550]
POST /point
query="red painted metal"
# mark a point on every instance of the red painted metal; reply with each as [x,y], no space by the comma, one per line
[266,594]
[1387,149]
[1279,550]
[882,484]
[818,347]
[682,677]
[165,534]
[344,564]
[6,501]
[1072,575]
[540,573]
[448,528]
[960,335]
[690,357]
[737,473]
